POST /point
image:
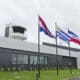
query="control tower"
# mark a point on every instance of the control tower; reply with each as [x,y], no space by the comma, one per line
[15,31]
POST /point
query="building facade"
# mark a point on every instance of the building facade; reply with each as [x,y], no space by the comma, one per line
[24,55]
[16,53]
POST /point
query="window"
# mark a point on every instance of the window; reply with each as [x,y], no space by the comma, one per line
[7,32]
[20,59]
[45,60]
[18,29]
[14,59]
[33,59]
[41,60]
[25,59]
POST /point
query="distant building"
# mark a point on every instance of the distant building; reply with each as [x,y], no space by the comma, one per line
[18,53]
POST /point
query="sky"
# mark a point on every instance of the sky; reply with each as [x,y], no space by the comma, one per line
[25,12]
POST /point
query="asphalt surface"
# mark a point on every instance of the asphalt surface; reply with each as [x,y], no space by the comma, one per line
[75,79]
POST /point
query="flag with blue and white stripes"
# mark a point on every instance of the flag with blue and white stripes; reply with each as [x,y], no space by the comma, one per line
[72,34]
[62,35]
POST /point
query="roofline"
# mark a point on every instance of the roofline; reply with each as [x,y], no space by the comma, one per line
[62,47]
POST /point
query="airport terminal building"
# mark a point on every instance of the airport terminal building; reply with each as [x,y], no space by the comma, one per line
[18,53]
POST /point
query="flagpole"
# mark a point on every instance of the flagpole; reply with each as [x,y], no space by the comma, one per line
[56,50]
[70,57]
[38,75]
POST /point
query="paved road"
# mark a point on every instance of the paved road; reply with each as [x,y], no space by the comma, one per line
[75,79]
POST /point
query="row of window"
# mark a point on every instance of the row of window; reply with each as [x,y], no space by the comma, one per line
[19,59]
[23,59]
[34,60]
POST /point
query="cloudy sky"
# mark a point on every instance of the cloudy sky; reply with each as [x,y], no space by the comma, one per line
[25,12]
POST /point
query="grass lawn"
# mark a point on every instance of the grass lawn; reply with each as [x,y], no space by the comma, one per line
[45,75]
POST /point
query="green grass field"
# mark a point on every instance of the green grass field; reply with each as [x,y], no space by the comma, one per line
[45,75]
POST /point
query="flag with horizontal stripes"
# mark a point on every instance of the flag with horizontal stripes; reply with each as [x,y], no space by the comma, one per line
[44,28]
[72,34]
[62,35]
[74,37]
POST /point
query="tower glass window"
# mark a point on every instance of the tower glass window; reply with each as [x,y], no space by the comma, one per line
[19,29]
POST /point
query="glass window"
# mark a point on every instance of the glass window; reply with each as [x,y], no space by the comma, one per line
[41,60]
[25,59]
[7,32]
[18,29]
[46,60]
[33,59]
[14,59]
[20,59]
